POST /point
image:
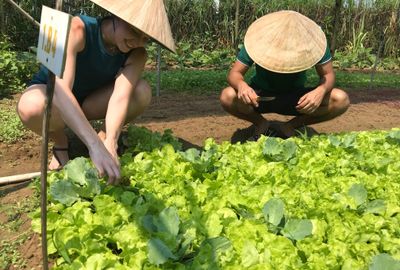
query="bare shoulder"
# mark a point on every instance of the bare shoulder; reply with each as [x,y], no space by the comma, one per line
[77,34]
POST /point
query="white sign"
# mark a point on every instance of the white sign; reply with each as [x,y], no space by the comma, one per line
[53,36]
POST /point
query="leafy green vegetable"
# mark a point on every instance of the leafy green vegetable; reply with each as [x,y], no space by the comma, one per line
[358,193]
[279,151]
[384,262]
[327,202]
[297,229]
[375,207]
[273,211]
[159,253]
[140,139]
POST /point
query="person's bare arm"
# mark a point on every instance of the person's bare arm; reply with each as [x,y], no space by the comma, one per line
[72,113]
[236,80]
[119,102]
[312,100]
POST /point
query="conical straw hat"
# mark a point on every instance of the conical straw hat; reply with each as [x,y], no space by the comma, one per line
[149,16]
[285,42]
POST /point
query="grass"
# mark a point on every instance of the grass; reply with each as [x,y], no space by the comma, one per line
[199,82]
[11,128]
[360,80]
[190,81]
[10,254]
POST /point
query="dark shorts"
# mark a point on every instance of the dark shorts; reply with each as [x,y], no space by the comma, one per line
[283,103]
[37,79]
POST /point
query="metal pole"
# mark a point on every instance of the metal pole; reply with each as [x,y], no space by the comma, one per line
[158,71]
[377,58]
[45,148]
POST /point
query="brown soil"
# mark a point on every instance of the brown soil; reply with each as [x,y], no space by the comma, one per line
[192,119]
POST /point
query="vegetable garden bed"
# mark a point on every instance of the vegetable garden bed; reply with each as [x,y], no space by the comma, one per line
[328,202]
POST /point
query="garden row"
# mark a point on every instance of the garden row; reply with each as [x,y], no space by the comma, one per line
[325,202]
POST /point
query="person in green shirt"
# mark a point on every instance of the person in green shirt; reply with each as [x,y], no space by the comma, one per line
[283,45]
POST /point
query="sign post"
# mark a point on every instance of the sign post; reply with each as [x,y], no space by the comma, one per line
[51,52]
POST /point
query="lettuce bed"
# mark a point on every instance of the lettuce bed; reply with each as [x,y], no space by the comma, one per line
[328,202]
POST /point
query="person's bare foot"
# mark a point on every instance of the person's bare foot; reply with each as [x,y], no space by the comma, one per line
[59,159]
[102,135]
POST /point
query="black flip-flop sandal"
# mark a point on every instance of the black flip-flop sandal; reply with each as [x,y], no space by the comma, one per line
[54,151]
[278,133]
[269,132]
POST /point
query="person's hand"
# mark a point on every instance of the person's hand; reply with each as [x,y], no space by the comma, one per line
[112,148]
[311,101]
[247,94]
[105,163]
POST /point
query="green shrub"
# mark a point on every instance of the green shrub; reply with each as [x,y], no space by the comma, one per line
[11,128]
[191,56]
[16,68]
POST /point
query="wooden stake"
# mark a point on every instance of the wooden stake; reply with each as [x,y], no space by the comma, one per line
[45,147]
[23,12]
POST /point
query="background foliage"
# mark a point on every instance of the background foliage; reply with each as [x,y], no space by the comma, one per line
[16,68]
[209,25]
[209,34]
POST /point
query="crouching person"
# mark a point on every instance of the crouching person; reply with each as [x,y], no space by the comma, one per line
[102,80]
[283,45]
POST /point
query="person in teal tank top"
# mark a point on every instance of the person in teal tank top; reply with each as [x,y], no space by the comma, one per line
[95,65]
[283,45]
[102,80]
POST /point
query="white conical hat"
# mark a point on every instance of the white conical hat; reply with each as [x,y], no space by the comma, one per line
[149,16]
[285,42]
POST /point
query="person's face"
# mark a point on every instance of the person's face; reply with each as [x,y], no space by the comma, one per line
[129,37]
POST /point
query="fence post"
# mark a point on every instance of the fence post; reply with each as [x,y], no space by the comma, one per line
[158,86]
[378,57]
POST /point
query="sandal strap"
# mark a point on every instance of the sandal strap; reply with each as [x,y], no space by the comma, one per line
[60,148]
[55,149]
[270,132]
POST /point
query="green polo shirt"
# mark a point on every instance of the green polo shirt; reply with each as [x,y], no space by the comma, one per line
[273,82]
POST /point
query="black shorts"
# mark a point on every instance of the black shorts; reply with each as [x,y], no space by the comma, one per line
[282,103]
[38,80]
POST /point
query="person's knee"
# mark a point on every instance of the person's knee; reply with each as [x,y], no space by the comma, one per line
[142,95]
[227,97]
[29,106]
[341,100]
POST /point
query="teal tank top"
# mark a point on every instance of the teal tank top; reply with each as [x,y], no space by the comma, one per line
[95,67]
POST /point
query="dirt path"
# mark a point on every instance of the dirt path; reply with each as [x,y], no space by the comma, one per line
[195,118]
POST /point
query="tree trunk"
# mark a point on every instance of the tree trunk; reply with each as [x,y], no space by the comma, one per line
[336,23]
[236,40]
[2,18]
